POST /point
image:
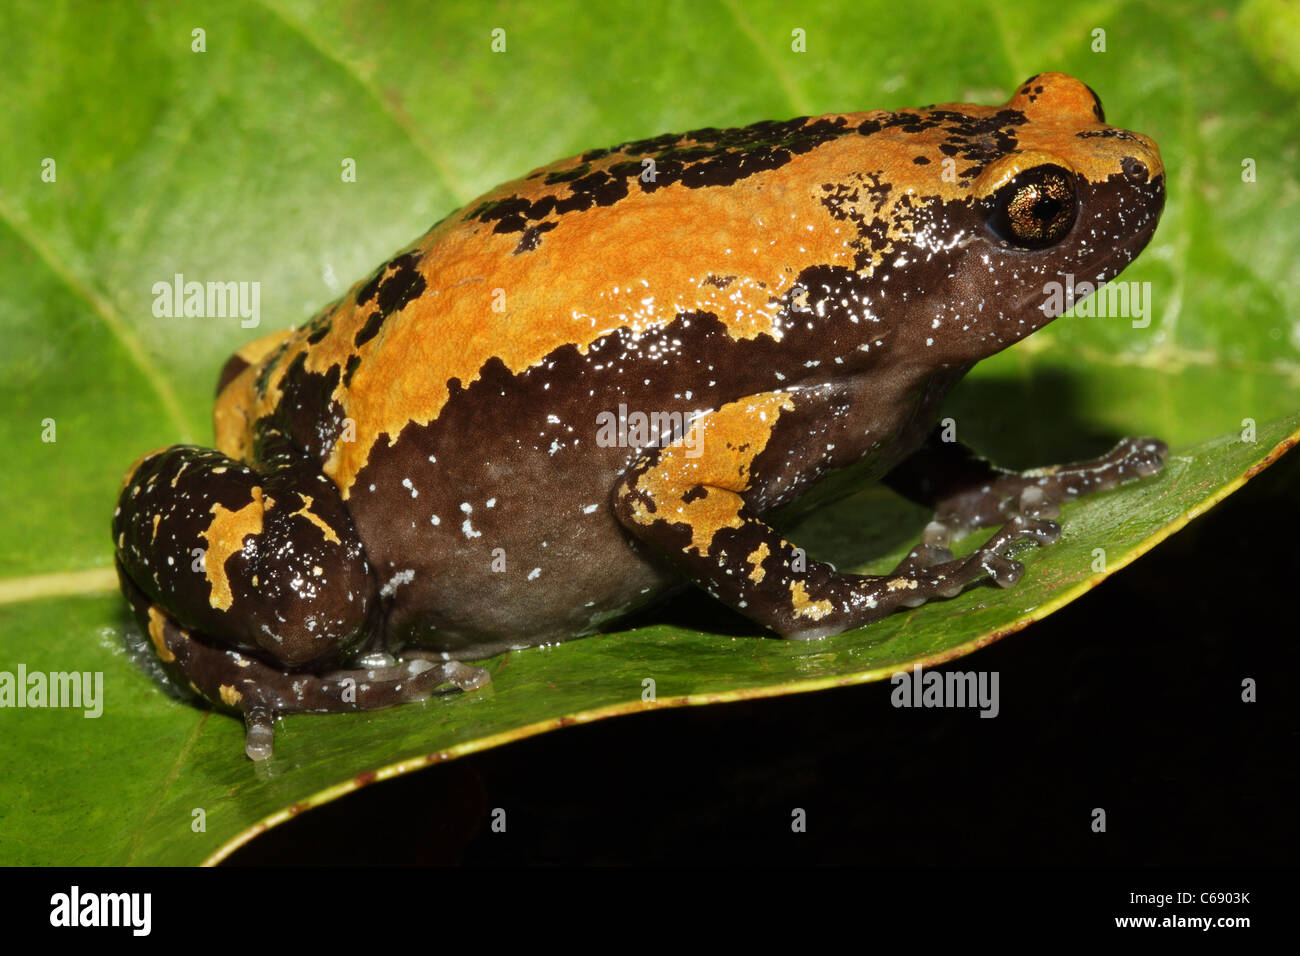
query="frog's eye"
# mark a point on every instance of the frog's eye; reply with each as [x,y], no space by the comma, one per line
[1036,208]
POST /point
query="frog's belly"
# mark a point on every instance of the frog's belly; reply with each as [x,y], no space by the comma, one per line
[516,550]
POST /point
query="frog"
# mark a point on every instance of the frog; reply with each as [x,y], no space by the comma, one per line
[434,470]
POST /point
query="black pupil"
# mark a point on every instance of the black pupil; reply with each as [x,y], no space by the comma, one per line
[1046,208]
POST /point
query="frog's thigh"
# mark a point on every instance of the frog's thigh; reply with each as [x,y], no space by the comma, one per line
[697,500]
[267,561]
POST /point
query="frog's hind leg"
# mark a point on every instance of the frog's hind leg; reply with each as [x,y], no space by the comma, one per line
[698,502]
[264,558]
[251,582]
[244,684]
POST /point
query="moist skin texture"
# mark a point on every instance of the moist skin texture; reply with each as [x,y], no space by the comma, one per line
[448,462]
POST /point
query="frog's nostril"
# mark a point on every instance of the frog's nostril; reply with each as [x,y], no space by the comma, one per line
[1135,169]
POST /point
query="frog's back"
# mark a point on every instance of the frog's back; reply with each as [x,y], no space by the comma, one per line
[719,223]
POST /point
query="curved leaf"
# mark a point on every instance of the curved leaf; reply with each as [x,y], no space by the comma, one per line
[225,164]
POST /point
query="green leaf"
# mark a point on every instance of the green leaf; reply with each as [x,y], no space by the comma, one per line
[225,164]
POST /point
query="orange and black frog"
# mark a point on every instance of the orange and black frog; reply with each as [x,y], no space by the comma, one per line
[596,384]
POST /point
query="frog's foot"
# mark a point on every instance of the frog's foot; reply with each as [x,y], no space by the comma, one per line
[236,681]
[347,690]
[968,492]
[937,573]
[928,572]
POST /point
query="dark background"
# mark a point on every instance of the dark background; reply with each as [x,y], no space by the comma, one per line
[1128,699]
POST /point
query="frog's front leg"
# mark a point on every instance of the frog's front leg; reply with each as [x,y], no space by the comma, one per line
[698,501]
[968,492]
[254,587]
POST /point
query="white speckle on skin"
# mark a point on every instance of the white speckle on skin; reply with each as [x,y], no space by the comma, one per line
[534,573]
[491,502]
[465,525]
[435,520]
[406,483]
[396,581]
[588,509]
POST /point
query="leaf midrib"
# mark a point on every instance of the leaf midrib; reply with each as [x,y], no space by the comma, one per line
[107,313]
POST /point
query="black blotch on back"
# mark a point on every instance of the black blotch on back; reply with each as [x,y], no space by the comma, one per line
[403,265]
[370,329]
[978,140]
[532,237]
[370,288]
[403,286]
[844,202]
[307,410]
[568,175]
[393,287]
[698,159]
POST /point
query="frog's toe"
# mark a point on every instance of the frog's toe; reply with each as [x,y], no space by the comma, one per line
[1004,571]
[990,559]
[1130,458]
[1147,455]
[924,555]
[1033,502]
[937,535]
[259,734]
[466,676]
